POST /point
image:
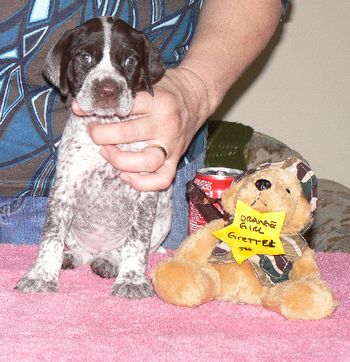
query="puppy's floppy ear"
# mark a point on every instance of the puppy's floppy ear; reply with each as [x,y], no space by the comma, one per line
[153,65]
[57,60]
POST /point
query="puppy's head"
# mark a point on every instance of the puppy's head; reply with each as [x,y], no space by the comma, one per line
[103,63]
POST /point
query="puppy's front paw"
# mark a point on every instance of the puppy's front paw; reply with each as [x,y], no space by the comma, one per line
[131,290]
[37,285]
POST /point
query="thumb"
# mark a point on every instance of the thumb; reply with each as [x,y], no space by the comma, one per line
[143,103]
[77,110]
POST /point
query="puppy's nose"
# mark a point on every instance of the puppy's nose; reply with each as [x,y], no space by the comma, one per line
[263,184]
[108,90]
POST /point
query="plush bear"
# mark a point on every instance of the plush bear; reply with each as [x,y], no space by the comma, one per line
[203,268]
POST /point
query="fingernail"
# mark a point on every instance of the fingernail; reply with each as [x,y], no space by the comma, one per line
[104,153]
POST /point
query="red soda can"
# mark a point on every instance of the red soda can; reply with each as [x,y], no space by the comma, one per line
[213,181]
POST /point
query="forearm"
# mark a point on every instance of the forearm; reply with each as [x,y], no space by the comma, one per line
[229,36]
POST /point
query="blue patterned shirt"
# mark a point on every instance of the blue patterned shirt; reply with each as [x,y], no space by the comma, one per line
[32,114]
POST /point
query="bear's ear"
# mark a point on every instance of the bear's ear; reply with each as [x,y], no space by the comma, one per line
[300,220]
[309,185]
[229,197]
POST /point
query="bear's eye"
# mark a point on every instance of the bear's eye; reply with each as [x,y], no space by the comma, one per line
[288,190]
[263,184]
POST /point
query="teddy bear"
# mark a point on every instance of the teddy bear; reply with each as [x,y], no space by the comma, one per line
[205,268]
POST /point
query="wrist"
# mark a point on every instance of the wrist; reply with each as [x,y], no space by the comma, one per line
[198,91]
[212,93]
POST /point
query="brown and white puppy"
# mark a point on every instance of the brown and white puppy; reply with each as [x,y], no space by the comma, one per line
[98,219]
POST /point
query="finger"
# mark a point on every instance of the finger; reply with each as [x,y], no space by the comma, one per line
[148,159]
[159,180]
[134,130]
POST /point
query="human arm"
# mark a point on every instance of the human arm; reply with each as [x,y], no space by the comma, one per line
[229,36]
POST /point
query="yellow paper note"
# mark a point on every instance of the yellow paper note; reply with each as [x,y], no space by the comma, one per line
[253,232]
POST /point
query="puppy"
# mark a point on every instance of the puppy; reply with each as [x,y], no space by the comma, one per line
[92,216]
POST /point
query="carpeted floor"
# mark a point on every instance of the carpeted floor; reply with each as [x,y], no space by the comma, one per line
[83,322]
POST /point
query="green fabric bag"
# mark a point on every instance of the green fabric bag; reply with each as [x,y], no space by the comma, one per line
[226,143]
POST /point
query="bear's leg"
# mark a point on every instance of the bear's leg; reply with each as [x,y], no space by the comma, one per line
[305,266]
[307,298]
[184,283]
[238,283]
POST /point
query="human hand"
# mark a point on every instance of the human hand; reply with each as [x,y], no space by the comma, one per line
[171,118]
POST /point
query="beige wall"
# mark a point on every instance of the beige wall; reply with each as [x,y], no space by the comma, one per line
[298,91]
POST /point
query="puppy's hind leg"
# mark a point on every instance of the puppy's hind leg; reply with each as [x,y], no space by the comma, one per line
[106,264]
[162,221]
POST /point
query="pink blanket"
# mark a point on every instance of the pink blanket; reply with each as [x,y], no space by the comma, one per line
[83,322]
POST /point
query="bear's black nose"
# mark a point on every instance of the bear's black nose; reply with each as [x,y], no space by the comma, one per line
[263,184]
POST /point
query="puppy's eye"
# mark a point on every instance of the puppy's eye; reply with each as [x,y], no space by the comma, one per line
[85,58]
[288,190]
[129,62]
